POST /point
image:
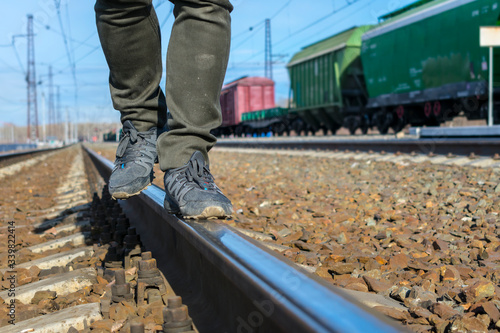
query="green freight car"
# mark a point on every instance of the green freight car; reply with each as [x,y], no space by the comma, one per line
[327,84]
[423,65]
[263,121]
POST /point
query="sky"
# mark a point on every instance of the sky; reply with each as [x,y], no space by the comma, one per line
[69,35]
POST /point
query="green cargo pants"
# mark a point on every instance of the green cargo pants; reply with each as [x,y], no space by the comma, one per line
[197,59]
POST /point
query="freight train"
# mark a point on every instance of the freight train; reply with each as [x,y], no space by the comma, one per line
[422,65]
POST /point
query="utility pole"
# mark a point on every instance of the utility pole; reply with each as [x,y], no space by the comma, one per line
[58,112]
[66,128]
[268,52]
[51,104]
[31,80]
[490,37]
[44,119]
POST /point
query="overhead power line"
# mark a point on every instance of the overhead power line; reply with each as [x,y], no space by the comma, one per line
[65,38]
[281,9]
[349,3]
[321,19]
[69,52]
[252,28]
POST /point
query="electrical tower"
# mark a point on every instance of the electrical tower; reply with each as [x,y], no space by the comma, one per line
[58,106]
[51,104]
[269,54]
[31,80]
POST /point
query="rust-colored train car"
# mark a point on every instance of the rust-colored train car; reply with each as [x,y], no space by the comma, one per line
[245,95]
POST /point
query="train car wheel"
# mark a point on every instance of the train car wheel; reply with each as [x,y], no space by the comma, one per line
[297,126]
[238,131]
[383,128]
[400,112]
[437,108]
[279,129]
[427,109]
[365,124]
[352,129]
[383,121]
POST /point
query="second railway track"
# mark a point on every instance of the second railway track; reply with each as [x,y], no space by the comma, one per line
[388,144]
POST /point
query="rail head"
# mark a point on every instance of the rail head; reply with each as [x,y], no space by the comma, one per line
[7,156]
[291,298]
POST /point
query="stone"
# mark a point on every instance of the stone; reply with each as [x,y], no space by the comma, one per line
[323,272]
[43,295]
[357,286]
[399,261]
[400,293]
[433,276]
[476,244]
[468,324]
[375,285]
[374,273]
[450,273]
[435,320]
[485,319]
[440,245]
[155,310]
[420,312]
[304,246]
[105,324]
[479,290]
[342,238]
[34,271]
[393,313]
[48,306]
[442,310]
[465,272]
[24,276]
[342,268]
[122,311]
[418,320]
[492,311]
[417,328]
[98,289]
[27,312]
[418,296]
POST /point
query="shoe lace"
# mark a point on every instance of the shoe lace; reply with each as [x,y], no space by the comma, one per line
[130,152]
[194,175]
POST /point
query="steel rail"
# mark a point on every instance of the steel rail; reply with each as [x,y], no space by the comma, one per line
[233,284]
[483,146]
[7,156]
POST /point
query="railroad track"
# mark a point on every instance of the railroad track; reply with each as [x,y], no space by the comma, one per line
[10,158]
[387,144]
[79,266]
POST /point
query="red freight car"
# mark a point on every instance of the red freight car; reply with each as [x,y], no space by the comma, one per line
[245,95]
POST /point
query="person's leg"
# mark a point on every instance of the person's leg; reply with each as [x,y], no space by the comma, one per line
[197,58]
[130,38]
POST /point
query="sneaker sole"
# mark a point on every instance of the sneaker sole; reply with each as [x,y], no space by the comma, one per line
[125,195]
[210,212]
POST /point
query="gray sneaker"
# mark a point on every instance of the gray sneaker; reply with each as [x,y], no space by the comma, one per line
[191,191]
[135,157]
